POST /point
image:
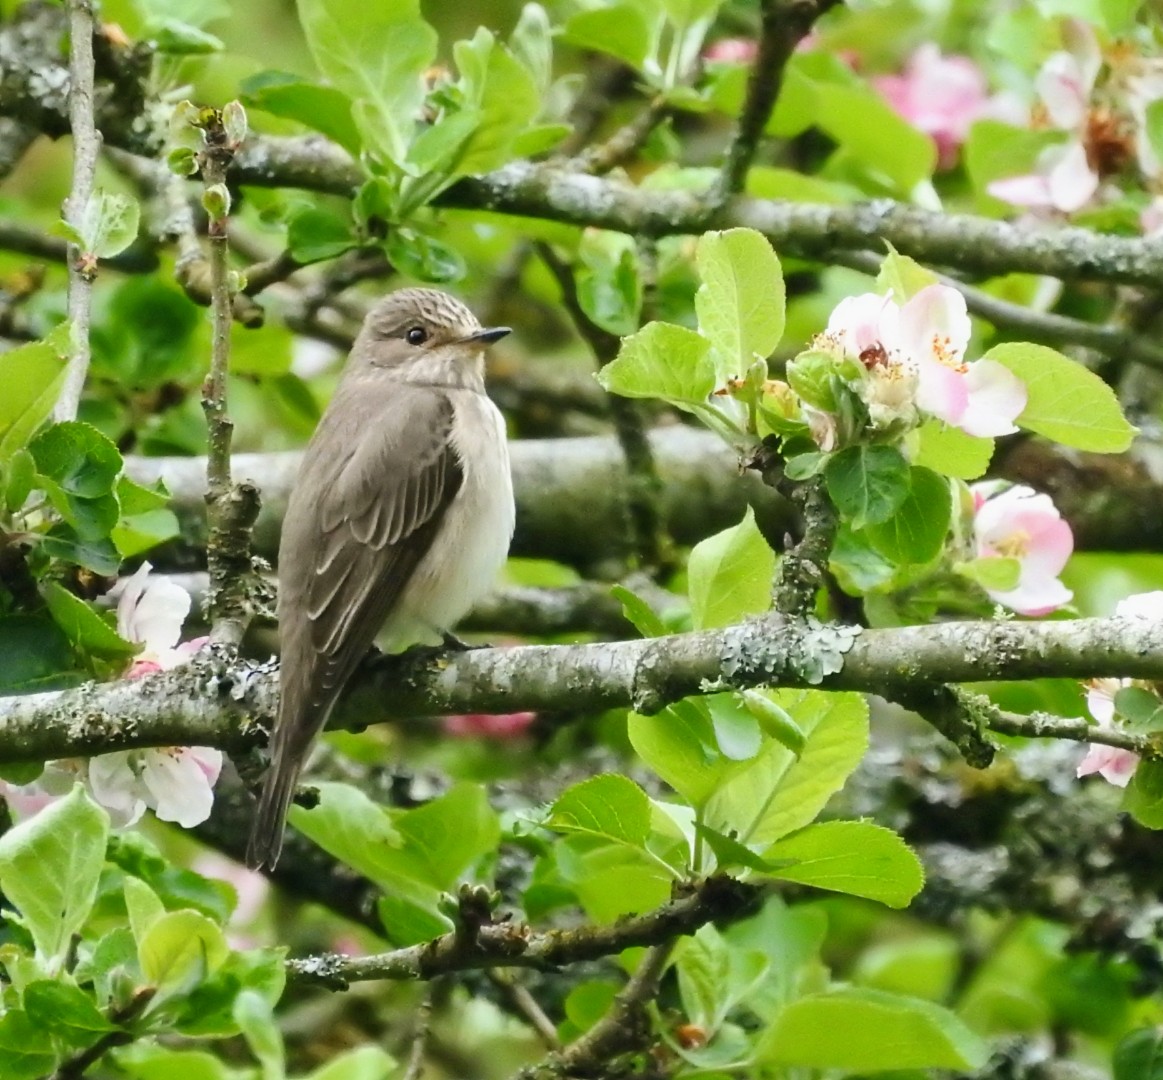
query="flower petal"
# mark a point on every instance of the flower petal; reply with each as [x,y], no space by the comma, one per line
[1071,180]
[1114,765]
[116,787]
[942,392]
[1031,190]
[1034,596]
[996,397]
[1062,86]
[1147,605]
[934,325]
[180,787]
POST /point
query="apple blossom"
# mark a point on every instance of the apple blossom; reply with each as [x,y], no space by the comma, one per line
[176,782]
[939,95]
[1113,764]
[1018,523]
[732,50]
[913,356]
[488,726]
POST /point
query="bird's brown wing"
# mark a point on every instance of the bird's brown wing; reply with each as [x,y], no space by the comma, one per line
[375,525]
[375,484]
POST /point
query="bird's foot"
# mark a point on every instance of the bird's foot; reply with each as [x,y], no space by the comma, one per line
[454,644]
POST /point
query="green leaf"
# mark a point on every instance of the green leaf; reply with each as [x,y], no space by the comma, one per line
[78,458]
[504,95]
[143,906]
[83,626]
[680,746]
[94,553]
[346,38]
[445,836]
[423,257]
[620,30]
[902,276]
[49,868]
[854,857]
[993,572]
[866,126]
[860,1030]
[741,301]
[256,1019]
[65,1010]
[916,532]
[362,1063]
[1065,402]
[108,224]
[26,1050]
[775,720]
[714,976]
[532,44]
[181,949]
[150,1061]
[868,484]
[19,477]
[662,361]
[776,793]
[811,375]
[31,376]
[1139,1055]
[321,108]
[314,235]
[951,452]
[729,575]
[1153,126]
[729,852]
[638,612]
[177,38]
[1143,796]
[608,285]
[1141,709]
[609,806]
[34,652]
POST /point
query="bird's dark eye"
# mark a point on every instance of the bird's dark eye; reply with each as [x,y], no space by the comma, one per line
[416,335]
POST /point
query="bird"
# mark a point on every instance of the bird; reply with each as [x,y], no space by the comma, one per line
[398,522]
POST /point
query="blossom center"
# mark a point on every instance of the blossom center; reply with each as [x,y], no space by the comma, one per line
[1014,546]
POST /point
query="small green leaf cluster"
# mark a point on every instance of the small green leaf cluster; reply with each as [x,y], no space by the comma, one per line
[110,944]
[69,516]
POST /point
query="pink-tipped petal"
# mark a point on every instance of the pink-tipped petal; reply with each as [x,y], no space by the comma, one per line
[1073,183]
[1115,766]
[996,399]
[941,392]
[1062,86]
[1031,190]
[1034,596]
[934,325]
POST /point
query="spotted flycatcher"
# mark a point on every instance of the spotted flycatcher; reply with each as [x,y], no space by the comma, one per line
[399,520]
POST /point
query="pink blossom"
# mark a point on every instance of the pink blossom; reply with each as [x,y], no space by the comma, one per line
[940,95]
[1018,523]
[250,888]
[486,726]
[1063,178]
[914,358]
[1114,765]
[151,611]
[732,50]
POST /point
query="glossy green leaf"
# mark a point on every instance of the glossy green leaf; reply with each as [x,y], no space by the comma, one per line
[504,95]
[314,235]
[321,108]
[741,302]
[662,361]
[83,626]
[346,38]
[916,532]
[49,868]
[181,949]
[680,746]
[65,1010]
[729,575]
[638,612]
[902,276]
[1139,1055]
[776,793]
[714,976]
[860,1030]
[18,479]
[620,30]
[1143,796]
[854,857]
[951,452]
[609,806]
[26,1049]
[31,376]
[1066,402]
[423,257]
[108,224]
[811,375]
[256,1020]
[608,285]
[868,484]
[78,458]
[34,652]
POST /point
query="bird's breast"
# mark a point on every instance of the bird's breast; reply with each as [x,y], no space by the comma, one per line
[473,541]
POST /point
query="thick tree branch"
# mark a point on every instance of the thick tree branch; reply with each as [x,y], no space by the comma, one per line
[220,701]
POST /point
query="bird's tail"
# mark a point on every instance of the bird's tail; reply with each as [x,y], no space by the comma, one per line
[266,834]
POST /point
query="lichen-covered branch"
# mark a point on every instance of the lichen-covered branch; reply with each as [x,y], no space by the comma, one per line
[221,701]
[506,944]
[86,146]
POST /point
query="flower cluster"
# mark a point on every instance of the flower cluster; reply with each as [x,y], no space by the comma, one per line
[1099,105]
[175,782]
[1113,764]
[907,360]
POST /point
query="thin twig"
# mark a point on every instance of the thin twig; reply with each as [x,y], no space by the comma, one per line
[415,1068]
[1044,327]
[784,23]
[86,146]
[517,994]
[1041,725]
[625,142]
[75,1067]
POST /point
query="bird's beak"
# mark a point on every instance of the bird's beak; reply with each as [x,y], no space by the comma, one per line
[487,336]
